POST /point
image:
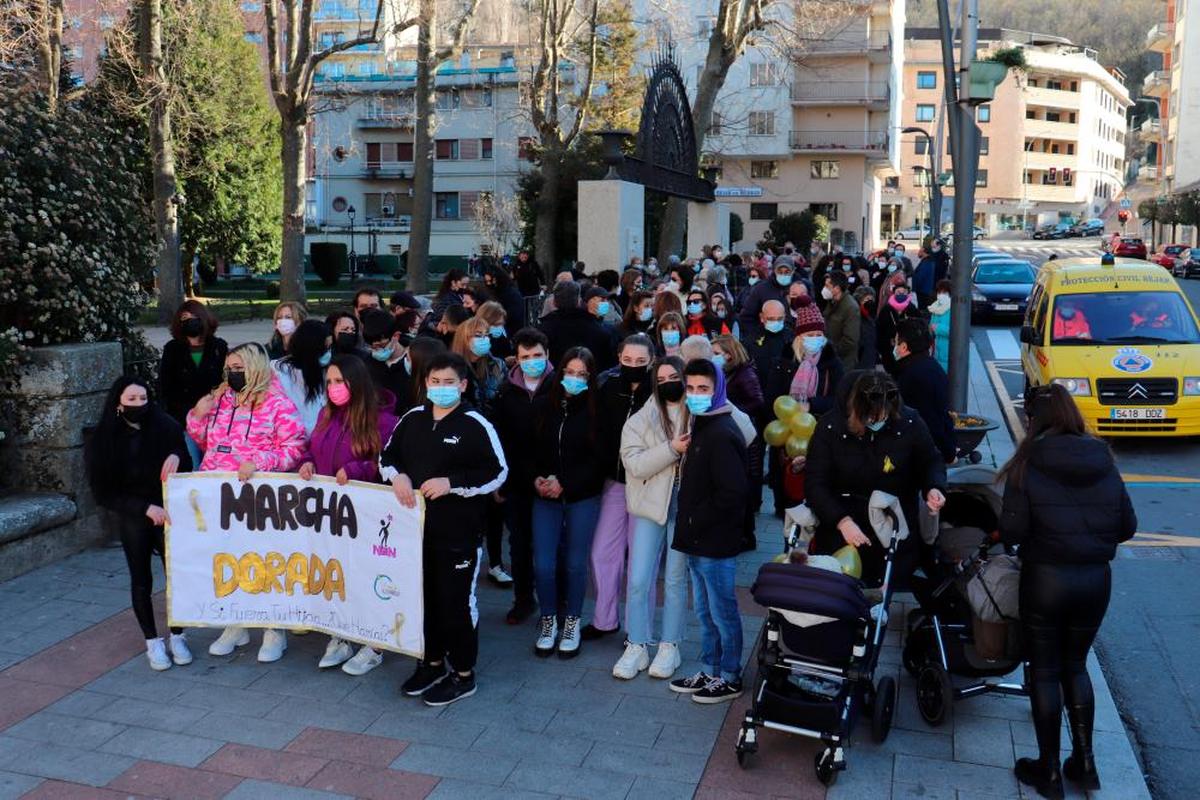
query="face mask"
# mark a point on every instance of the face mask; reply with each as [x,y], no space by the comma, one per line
[443,396]
[346,342]
[481,345]
[696,268]
[699,403]
[236,380]
[646,314]
[753,279]
[574,385]
[899,252]
[633,374]
[671,391]
[896,354]
[783,280]
[325,358]
[286,326]
[937,248]
[891,268]
[135,414]
[534,367]
[672,286]
[670,338]
[773,326]
[496,331]
[846,266]
[384,354]
[901,297]
[827,293]
[695,308]
[602,308]
[1067,313]
[881,263]
[720,312]
[877,426]
[891,251]
[339,394]
[718,360]
[813,344]
[192,327]
[943,297]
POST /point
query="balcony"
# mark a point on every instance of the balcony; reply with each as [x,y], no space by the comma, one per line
[876,45]
[400,223]
[1147,173]
[385,172]
[1051,98]
[1157,83]
[833,142]
[1045,129]
[1035,160]
[874,94]
[1038,193]
[401,122]
[1151,127]
[1161,37]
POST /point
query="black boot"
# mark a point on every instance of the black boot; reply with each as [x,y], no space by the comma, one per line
[1080,766]
[1047,780]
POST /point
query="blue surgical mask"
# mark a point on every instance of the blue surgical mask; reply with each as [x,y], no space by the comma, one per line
[443,396]
[325,358]
[813,344]
[718,360]
[891,268]
[696,268]
[753,279]
[574,385]
[695,308]
[384,354]
[602,308]
[670,338]
[496,331]
[534,367]
[783,280]
[896,353]
[877,426]
[773,326]
[699,403]
[481,345]
[646,314]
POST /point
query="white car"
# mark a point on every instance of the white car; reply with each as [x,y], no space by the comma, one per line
[913,232]
[976,232]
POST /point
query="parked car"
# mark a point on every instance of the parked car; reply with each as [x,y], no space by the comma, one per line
[913,232]
[1091,227]
[976,232]
[1001,287]
[1167,256]
[1188,264]
[1130,247]
[1052,230]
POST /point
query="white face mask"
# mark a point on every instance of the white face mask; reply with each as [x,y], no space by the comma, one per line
[942,296]
[827,293]
[286,326]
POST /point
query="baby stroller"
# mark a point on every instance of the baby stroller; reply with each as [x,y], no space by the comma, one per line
[819,647]
[966,623]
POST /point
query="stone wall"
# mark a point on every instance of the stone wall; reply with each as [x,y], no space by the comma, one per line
[58,394]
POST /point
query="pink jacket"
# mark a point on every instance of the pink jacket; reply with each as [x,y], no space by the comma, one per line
[271,436]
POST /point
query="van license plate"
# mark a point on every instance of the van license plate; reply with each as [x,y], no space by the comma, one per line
[1006,306]
[1137,413]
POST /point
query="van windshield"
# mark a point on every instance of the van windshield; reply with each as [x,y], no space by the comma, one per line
[1123,318]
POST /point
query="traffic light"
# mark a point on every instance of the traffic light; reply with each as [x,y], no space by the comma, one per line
[1123,215]
[1054,174]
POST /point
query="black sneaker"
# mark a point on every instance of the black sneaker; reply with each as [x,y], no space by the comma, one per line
[591,633]
[718,690]
[521,611]
[424,678]
[690,685]
[454,687]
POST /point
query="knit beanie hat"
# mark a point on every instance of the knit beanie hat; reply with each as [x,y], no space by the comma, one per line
[808,316]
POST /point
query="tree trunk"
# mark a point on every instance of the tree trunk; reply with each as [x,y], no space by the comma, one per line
[544,245]
[292,151]
[426,98]
[49,55]
[162,149]
[187,261]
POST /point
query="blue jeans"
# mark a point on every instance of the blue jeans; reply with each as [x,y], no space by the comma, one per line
[194,451]
[644,554]
[715,602]
[569,526]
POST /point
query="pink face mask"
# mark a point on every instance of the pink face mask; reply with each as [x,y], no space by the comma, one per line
[339,394]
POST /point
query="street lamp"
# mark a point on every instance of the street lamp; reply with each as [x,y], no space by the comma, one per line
[353,256]
[935,189]
[920,170]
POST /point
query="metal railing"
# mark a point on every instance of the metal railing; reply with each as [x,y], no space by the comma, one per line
[849,41]
[841,91]
[876,141]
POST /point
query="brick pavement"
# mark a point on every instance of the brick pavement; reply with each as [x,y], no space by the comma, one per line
[82,715]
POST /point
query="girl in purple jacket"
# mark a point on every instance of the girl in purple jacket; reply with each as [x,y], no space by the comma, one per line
[345,444]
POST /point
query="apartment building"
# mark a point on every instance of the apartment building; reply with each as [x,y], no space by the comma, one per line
[1176,88]
[1052,140]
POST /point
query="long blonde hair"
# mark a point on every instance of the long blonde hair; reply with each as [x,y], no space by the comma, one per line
[258,373]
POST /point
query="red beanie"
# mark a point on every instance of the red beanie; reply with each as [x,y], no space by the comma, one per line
[808,316]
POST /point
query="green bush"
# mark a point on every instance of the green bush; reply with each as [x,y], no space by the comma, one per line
[328,259]
[798,227]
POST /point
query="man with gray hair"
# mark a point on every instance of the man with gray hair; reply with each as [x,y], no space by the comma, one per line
[548,305]
[570,324]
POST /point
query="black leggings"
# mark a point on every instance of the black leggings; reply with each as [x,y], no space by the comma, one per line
[141,540]
[1062,606]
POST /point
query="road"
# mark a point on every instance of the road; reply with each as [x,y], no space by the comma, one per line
[1150,642]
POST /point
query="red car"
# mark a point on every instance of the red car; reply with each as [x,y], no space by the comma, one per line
[1131,248]
[1168,254]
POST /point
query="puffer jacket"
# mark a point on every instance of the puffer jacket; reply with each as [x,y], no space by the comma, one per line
[564,445]
[331,446]
[650,463]
[1072,506]
[271,435]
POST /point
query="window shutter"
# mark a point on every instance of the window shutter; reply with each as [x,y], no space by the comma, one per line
[468,149]
[466,204]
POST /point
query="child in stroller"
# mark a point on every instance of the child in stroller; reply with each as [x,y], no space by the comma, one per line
[966,623]
[820,644]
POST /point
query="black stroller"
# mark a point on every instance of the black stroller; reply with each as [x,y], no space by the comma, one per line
[964,624]
[818,650]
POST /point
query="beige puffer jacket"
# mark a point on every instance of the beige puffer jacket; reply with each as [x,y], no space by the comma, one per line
[650,463]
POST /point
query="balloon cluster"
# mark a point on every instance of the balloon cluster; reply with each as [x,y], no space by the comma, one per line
[792,427]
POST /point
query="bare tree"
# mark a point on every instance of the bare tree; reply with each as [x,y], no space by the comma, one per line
[429,55]
[497,221]
[31,44]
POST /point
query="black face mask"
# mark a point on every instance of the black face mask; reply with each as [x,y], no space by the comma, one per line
[236,380]
[671,391]
[346,342]
[192,327]
[406,339]
[135,414]
[633,374]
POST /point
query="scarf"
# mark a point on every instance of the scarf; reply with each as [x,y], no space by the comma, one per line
[804,382]
[939,306]
[899,305]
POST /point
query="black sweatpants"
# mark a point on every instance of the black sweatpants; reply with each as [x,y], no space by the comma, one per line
[518,516]
[451,617]
[495,533]
[142,540]
[1062,606]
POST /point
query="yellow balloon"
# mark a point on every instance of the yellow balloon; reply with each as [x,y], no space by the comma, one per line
[796,446]
[776,433]
[786,407]
[803,424]
[850,560]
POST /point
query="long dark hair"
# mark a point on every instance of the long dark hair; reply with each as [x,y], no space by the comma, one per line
[873,392]
[101,452]
[677,363]
[420,353]
[453,276]
[304,352]
[200,312]
[558,395]
[362,412]
[1051,412]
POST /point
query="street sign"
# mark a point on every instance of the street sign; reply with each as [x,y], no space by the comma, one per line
[738,191]
[1126,203]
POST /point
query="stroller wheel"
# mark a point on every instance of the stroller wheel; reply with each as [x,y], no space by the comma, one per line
[827,771]
[883,709]
[746,745]
[935,694]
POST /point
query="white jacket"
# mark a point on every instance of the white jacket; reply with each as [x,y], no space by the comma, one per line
[650,463]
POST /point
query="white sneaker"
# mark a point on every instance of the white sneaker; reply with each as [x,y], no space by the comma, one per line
[232,637]
[547,634]
[181,654]
[156,654]
[632,661]
[336,652]
[568,645]
[365,660]
[666,660]
[273,646]
[498,576]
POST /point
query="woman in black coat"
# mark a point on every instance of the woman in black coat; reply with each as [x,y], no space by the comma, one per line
[136,445]
[193,362]
[506,293]
[1067,509]
[870,442]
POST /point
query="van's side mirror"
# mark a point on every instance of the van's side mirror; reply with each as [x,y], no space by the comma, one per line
[1029,336]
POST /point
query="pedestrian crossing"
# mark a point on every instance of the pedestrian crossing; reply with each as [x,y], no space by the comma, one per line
[1039,251]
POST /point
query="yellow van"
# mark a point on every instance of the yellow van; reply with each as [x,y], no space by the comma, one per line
[1124,341]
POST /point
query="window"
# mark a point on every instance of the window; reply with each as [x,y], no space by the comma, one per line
[485,149]
[827,210]
[925,112]
[448,101]
[922,144]
[927,80]
[525,148]
[704,26]
[823,170]
[1051,84]
[981,178]
[920,178]
[445,205]
[468,202]
[762,123]
[1053,116]
[764,210]
[714,123]
[446,149]
[891,182]
[1030,114]
[984,114]
[366,69]
[764,169]
[1071,117]
[763,74]
[1049,179]
[404,151]
[1054,149]
[373,154]
[983,145]
[1033,83]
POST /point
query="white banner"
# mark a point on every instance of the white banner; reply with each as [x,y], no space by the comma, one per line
[281,552]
